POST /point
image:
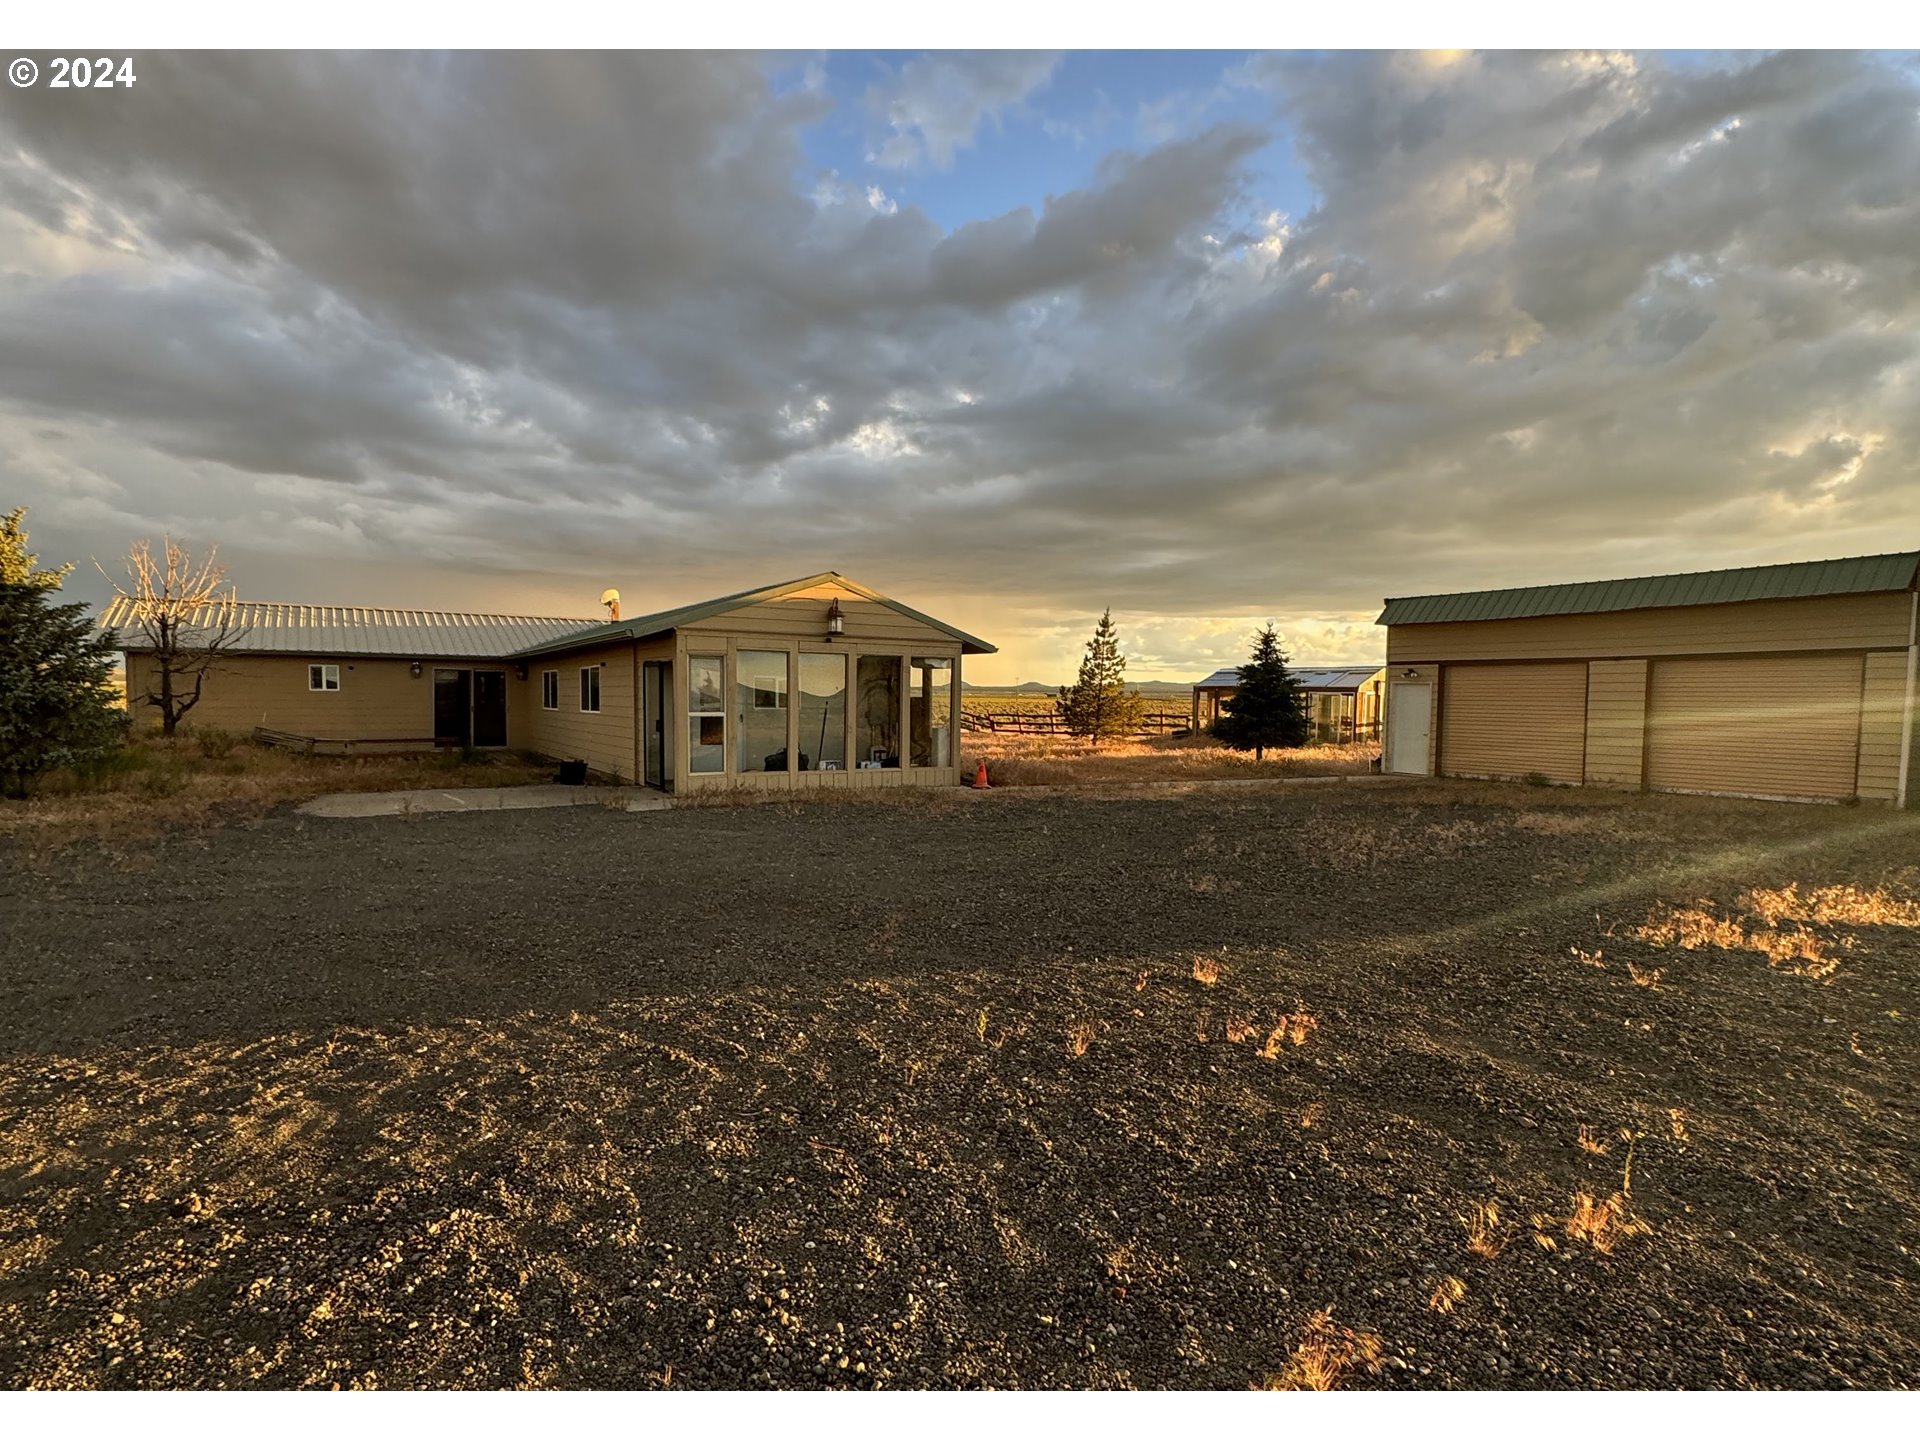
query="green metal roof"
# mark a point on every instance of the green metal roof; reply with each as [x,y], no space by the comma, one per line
[1860,575]
[662,621]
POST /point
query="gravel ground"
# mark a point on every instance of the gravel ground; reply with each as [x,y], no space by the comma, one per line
[929,1095]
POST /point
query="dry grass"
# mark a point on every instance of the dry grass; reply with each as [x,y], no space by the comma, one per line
[1240,1029]
[1595,958]
[1648,979]
[1833,905]
[1312,1115]
[1207,970]
[1325,1356]
[1061,760]
[1080,1037]
[1697,927]
[1296,1027]
[1482,1222]
[1603,1224]
[1448,1291]
[1677,1125]
[209,777]
[1591,1143]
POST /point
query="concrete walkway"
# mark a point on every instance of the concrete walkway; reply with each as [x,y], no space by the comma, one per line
[504,797]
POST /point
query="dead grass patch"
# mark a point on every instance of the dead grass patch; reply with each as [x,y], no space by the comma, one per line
[1297,1027]
[1603,1224]
[1591,1143]
[1697,927]
[1020,760]
[1482,1222]
[1832,905]
[204,778]
[1326,1355]
[1208,970]
[1448,1291]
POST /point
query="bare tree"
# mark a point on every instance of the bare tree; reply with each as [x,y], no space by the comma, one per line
[186,615]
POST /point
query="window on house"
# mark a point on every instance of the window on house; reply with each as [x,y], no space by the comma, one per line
[761,683]
[590,689]
[323,677]
[930,693]
[877,712]
[550,689]
[823,712]
[706,715]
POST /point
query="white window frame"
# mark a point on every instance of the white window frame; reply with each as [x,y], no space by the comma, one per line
[327,675]
[594,671]
[549,689]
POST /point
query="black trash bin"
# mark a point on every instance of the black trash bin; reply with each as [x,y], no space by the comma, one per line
[573,772]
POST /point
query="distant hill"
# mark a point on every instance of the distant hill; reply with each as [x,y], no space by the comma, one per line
[1034,687]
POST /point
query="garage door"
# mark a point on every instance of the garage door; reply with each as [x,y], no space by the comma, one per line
[1514,720]
[1773,725]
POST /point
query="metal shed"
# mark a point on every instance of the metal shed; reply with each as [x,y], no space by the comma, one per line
[1344,702]
[1793,681]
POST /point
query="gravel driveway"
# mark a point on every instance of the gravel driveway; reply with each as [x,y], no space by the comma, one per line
[915,1094]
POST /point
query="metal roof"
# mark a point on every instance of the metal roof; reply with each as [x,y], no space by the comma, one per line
[274,627]
[662,621]
[1860,575]
[1345,677]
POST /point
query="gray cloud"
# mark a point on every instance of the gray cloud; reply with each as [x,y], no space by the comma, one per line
[467,329]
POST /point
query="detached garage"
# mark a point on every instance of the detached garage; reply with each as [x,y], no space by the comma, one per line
[1790,681]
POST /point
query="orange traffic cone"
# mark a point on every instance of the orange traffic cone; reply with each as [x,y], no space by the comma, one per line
[980,777]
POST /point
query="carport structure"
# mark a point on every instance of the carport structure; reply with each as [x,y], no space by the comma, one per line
[1794,681]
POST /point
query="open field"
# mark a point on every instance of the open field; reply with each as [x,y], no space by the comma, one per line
[205,778]
[1529,1087]
[1063,760]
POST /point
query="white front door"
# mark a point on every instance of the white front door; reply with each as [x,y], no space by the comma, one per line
[1409,728]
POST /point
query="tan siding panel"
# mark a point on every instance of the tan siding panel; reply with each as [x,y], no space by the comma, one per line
[1755,725]
[1514,720]
[1883,696]
[1616,721]
[377,699]
[605,740]
[1834,622]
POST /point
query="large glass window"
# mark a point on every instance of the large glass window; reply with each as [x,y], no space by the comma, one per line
[930,689]
[823,712]
[877,712]
[706,715]
[760,709]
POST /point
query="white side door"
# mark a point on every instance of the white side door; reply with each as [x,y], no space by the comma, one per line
[1409,729]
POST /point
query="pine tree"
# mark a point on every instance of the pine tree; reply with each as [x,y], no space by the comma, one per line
[1098,704]
[56,701]
[1268,708]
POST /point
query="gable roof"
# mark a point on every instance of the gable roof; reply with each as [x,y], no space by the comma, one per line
[1859,575]
[279,628]
[640,627]
[1339,677]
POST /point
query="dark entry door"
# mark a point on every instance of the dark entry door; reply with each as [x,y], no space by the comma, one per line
[657,686]
[452,707]
[490,707]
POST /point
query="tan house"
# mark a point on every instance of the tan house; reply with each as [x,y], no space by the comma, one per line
[1343,702]
[1781,681]
[818,681]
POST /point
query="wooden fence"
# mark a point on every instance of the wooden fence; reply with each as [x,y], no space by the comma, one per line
[1048,722]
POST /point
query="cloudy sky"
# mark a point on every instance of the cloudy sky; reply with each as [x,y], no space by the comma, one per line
[1208,338]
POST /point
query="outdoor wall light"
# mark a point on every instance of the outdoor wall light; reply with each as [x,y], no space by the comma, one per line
[520,671]
[414,669]
[836,622]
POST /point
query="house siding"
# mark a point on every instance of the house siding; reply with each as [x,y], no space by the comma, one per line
[1882,707]
[607,739]
[378,699]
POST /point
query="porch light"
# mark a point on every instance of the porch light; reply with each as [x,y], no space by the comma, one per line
[836,622]
[414,669]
